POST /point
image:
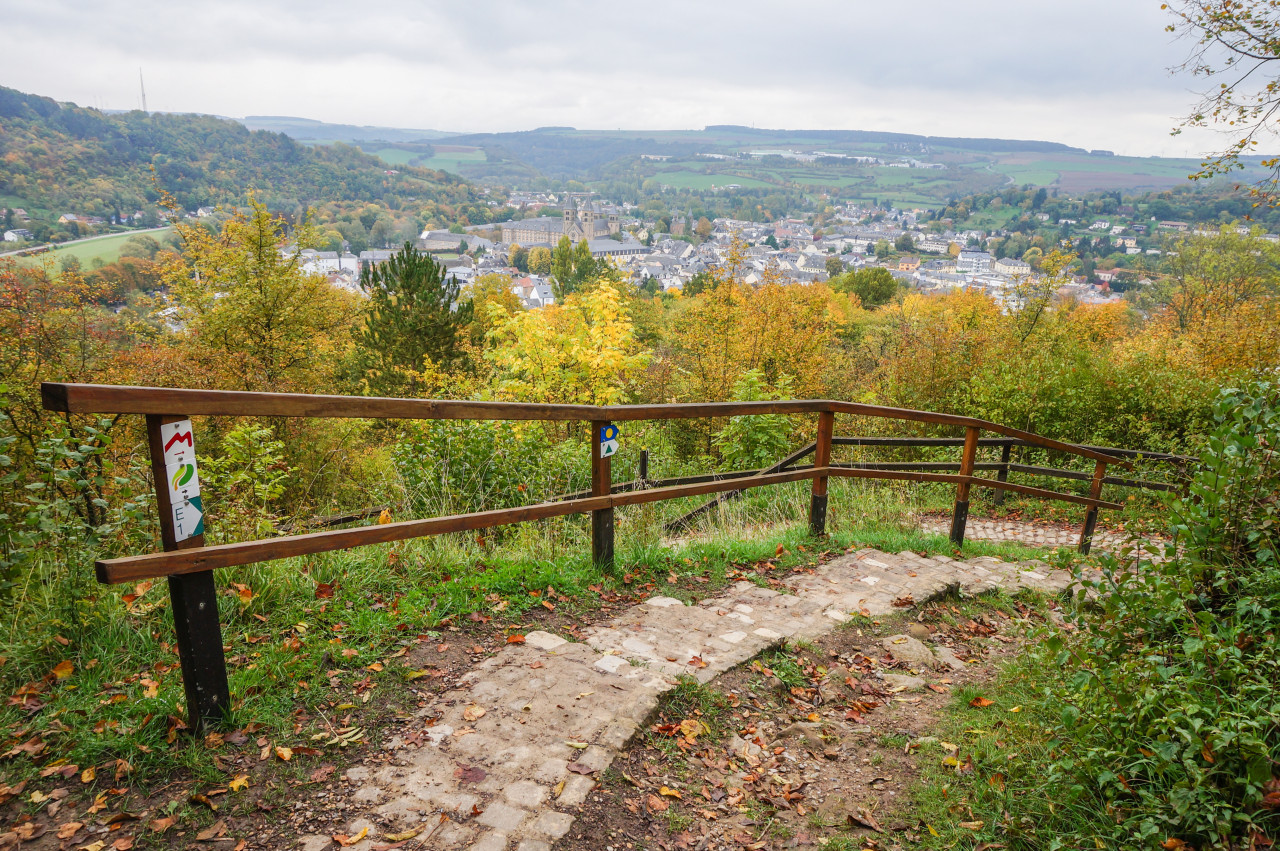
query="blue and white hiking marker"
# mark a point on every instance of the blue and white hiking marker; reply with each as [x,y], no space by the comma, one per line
[608,441]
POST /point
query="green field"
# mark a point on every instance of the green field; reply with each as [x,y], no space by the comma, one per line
[393,156]
[451,160]
[105,249]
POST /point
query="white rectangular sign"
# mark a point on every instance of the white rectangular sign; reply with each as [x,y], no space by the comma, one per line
[182,478]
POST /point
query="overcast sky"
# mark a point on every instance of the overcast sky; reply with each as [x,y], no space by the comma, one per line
[1092,73]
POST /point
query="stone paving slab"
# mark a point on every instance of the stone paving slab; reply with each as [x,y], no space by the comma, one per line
[1035,534]
[509,754]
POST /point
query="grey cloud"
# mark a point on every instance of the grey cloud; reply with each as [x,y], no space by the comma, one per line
[994,67]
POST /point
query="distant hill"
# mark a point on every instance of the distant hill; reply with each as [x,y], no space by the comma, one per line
[60,158]
[306,129]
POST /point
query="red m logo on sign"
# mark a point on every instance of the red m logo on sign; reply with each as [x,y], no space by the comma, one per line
[179,437]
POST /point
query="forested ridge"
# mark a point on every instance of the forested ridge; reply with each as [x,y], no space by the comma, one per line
[60,158]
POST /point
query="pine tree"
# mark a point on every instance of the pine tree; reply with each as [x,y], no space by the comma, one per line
[414,322]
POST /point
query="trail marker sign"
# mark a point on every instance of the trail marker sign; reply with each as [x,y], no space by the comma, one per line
[608,440]
[183,479]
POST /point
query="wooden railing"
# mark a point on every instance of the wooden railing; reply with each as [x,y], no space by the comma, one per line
[1002,468]
[189,564]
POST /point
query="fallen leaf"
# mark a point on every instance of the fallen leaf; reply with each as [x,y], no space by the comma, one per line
[470,774]
[218,828]
[863,818]
[578,745]
[401,837]
[69,829]
[345,840]
[124,843]
[980,702]
[1173,843]
[668,792]
[696,662]
[324,591]
[383,519]
[515,639]
[240,782]
[94,846]
[63,669]
[160,825]
[972,825]
[473,712]
[579,768]
[780,550]
[656,804]
[285,754]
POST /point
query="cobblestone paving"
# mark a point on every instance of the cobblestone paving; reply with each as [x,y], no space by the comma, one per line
[502,762]
[1035,534]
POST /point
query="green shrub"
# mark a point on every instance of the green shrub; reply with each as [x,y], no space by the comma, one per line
[1168,727]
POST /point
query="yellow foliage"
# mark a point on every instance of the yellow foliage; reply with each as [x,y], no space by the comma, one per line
[582,352]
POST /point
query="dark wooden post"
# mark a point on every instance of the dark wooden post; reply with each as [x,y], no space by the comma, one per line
[194,598]
[1003,475]
[644,468]
[601,485]
[961,514]
[821,458]
[1091,516]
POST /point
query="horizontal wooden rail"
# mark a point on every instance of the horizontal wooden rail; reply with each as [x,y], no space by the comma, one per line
[112,399]
[134,568]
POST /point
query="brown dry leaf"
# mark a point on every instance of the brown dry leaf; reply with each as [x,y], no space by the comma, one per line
[1173,843]
[322,773]
[285,754]
[198,798]
[324,591]
[124,843]
[375,667]
[980,702]
[69,829]
[696,662]
[780,550]
[668,792]
[94,846]
[473,713]
[656,804]
[470,774]
[160,825]
[63,669]
[343,839]
[349,652]
[218,828]
[863,818]
[515,639]
[972,825]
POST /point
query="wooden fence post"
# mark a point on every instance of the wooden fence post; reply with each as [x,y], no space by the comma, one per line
[961,514]
[1091,516]
[601,485]
[1006,449]
[821,458]
[643,473]
[193,595]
